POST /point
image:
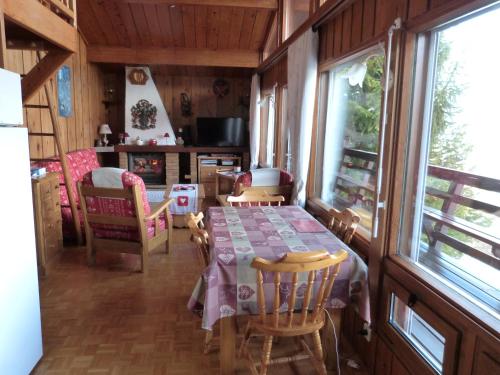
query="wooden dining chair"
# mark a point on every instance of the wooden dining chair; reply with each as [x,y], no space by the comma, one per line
[343,223]
[199,236]
[295,321]
[248,198]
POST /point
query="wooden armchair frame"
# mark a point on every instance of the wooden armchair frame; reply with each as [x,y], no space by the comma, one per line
[343,223]
[293,323]
[260,198]
[144,244]
[199,236]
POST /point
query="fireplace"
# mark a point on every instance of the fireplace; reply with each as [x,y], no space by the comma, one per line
[150,166]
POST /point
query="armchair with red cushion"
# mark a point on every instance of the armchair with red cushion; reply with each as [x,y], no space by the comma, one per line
[118,217]
[80,162]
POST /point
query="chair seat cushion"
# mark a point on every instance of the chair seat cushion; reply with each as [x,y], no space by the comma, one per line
[120,232]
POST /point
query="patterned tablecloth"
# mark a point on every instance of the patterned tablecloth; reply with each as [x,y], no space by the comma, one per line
[238,234]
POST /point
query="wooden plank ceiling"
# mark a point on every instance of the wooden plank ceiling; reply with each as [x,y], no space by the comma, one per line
[176,25]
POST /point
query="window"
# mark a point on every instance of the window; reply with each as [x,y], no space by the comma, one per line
[296,13]
[421,335]
[348,135]
[451,201]
[282,134]
[425,341]
[267,130]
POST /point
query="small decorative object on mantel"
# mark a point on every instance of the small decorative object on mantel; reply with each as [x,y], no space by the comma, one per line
[138,77]
[143,115]
[153,142]
[221,87]
[179,141]
[139,141]
[185,105]
[104,130]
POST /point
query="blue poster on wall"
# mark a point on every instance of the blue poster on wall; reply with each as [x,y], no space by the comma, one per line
[64,91]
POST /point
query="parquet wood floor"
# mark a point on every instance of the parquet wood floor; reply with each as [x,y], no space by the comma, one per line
[110,319]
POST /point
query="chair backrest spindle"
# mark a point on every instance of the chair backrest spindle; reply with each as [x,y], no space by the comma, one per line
[293,297]
[261,300]
[277,302]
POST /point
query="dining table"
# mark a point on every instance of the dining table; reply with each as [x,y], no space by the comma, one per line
[227,287]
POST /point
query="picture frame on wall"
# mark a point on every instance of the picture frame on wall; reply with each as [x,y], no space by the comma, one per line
[64,91]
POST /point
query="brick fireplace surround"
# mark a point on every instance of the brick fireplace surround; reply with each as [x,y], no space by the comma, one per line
[172,158]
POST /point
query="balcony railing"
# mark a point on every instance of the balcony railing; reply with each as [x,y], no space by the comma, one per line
[442,225]
[66,9]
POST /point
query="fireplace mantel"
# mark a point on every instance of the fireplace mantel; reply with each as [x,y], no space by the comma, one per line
[178,149]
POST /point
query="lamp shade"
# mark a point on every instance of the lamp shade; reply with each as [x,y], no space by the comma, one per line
[104,129]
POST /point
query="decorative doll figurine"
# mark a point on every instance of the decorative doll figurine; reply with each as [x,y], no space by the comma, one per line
[179,141]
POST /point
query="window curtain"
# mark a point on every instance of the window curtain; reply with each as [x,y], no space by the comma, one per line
[254,121]
[302,77]
[334,132]
[271,117]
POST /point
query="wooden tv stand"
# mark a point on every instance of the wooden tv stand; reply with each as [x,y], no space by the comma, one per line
[207,172]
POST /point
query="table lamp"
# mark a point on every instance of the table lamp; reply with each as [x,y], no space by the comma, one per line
[104,130]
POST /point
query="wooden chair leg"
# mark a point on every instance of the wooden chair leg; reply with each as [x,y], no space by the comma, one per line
[244,342]
[208,341]
[90,252]
[170,234]
[266,354]
[144,259]
[318,353]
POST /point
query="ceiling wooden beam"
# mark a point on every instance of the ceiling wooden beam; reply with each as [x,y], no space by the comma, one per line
[173,56]
[33,16]
[41,72]
[256,4]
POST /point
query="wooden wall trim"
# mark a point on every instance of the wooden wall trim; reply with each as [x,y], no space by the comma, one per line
[3,43]
[33,16]
[174,56]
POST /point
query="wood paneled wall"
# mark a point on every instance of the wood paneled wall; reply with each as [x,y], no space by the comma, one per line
[275,75]
[198,84]
[204,103]
[367,21]
[80,129]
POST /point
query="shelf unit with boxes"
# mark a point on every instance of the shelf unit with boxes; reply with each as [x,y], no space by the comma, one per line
[208,165]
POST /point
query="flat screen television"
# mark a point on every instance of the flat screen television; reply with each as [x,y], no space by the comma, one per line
[220,131]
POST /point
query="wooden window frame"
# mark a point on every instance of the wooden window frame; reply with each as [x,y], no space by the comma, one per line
[400,344]
[362,238]
[415,57]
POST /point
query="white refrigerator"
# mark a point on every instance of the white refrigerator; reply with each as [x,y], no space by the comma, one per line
[20,325]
